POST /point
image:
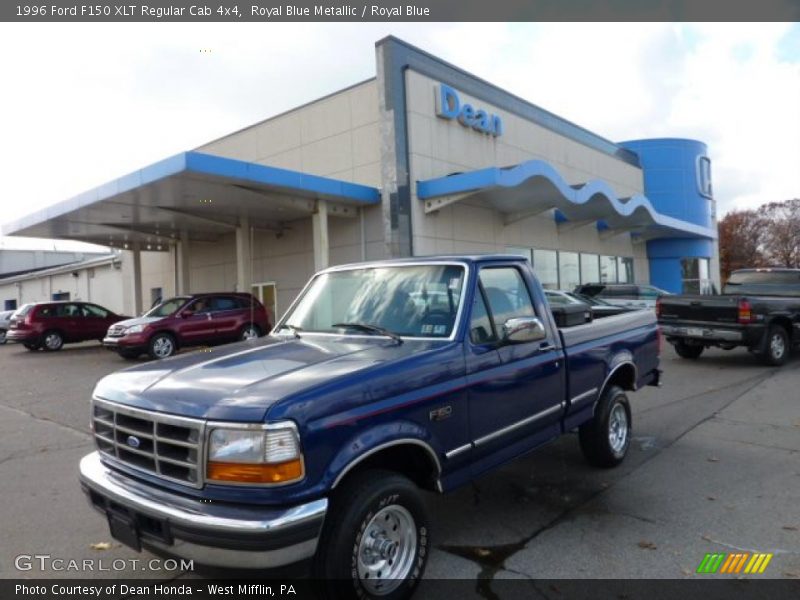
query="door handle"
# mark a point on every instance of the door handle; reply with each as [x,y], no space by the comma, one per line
[546,347]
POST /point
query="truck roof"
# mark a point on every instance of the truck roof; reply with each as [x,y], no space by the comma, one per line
[465,258]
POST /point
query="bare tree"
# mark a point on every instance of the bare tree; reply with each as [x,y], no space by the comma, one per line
[782,234]
[740,241]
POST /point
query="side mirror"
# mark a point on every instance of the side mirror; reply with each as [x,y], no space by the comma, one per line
[523,329]
[187,313]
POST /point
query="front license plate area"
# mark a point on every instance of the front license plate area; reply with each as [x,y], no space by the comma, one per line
[694,332]
[124,530]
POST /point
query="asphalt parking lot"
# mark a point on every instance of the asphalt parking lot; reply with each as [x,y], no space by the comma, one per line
[714,467]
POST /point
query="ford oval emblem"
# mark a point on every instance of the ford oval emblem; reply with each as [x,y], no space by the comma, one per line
[133,441]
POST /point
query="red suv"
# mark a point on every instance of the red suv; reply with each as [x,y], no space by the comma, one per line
[189,321]
[50,325]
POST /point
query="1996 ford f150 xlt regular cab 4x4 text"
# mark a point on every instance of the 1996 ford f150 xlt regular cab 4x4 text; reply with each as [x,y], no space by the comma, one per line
[382,379]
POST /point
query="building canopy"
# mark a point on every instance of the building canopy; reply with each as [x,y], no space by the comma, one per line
[199,196]
[535,186]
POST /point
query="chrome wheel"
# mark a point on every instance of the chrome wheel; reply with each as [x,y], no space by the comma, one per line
[163,346]
[777,346]
[386,550]
[618,429]
[53,341]
[250,332]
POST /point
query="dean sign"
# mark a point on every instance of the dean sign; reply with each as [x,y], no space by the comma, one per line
[449,106]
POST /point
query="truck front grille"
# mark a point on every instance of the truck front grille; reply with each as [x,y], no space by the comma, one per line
[164,445]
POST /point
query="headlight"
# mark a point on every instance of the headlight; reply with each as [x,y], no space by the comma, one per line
[259,454]
[134,329]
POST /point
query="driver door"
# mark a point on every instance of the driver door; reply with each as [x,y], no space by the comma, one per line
[515,390]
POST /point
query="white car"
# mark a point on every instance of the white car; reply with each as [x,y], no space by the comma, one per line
[5,318]
[630,295]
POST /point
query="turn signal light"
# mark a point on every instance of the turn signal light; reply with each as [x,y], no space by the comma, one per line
[658,307]
[256,473]
[745,314]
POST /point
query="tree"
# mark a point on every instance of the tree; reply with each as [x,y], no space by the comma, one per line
[741,235]
[781,238]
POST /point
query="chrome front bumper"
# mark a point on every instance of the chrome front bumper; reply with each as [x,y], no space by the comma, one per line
[224,535]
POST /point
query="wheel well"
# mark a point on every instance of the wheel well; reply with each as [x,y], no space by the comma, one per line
[166,332]
[785,323]
[411,460]
[624,376]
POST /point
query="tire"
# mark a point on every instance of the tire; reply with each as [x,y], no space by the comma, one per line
[606,438]
[2,336]
[31,347]
[777,346]
[685,350]
[161,345]
[377,545]
[129,354]
[52,341]
[249,332]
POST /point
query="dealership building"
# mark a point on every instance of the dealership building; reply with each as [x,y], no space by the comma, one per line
[422,159]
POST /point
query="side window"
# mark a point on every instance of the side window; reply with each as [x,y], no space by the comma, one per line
[201,305]
[220,303]
[507,294]
[481,330]
[68,310]
[90,310]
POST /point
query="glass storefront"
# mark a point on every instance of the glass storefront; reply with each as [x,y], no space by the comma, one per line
[608,269]
[561,270]
[695,276]
[590,268]
[545,265]
[569,273]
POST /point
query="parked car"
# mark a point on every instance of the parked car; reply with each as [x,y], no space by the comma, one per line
[600,308]
[50,325]
[315,441]
[758,309]
[629,295]
[5,322]
[189,321]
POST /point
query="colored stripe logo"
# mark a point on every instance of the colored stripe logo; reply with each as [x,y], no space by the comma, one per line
[737,562]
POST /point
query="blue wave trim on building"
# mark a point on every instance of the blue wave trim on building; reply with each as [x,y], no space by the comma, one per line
[206,164]
[587,195]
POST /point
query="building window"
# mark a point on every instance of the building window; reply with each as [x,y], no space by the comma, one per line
[569,274]
[694,273]
[545,265]
[590,268]
[624,269]
[60,296]
[10,304]
[608,269]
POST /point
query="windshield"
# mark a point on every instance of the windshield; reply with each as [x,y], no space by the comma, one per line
[168,307]
[765,283]
[413,301]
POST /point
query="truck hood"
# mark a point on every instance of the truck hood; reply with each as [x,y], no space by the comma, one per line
[240,382]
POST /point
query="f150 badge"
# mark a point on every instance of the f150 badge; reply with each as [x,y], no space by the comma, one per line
[440,414]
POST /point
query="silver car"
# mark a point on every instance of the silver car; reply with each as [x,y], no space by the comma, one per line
[5,318]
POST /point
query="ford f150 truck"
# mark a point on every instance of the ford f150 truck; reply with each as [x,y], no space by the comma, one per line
[758,309]
[383,379]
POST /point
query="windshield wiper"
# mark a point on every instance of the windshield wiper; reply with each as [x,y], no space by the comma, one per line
[371,329]
[293,328]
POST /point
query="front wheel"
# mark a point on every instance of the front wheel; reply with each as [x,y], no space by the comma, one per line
[378,545]
[689,351]
[2,336]
[162,345]
[605,439]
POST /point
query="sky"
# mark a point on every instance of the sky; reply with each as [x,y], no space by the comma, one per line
[87,103]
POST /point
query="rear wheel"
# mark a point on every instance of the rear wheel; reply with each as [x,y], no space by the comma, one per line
[2,336]
[249,332]
[605,439]
[777,350]
[162,345]
[52,341]
[378,545]
[689,351]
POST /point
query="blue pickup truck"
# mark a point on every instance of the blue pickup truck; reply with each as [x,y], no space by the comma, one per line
[382,380]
